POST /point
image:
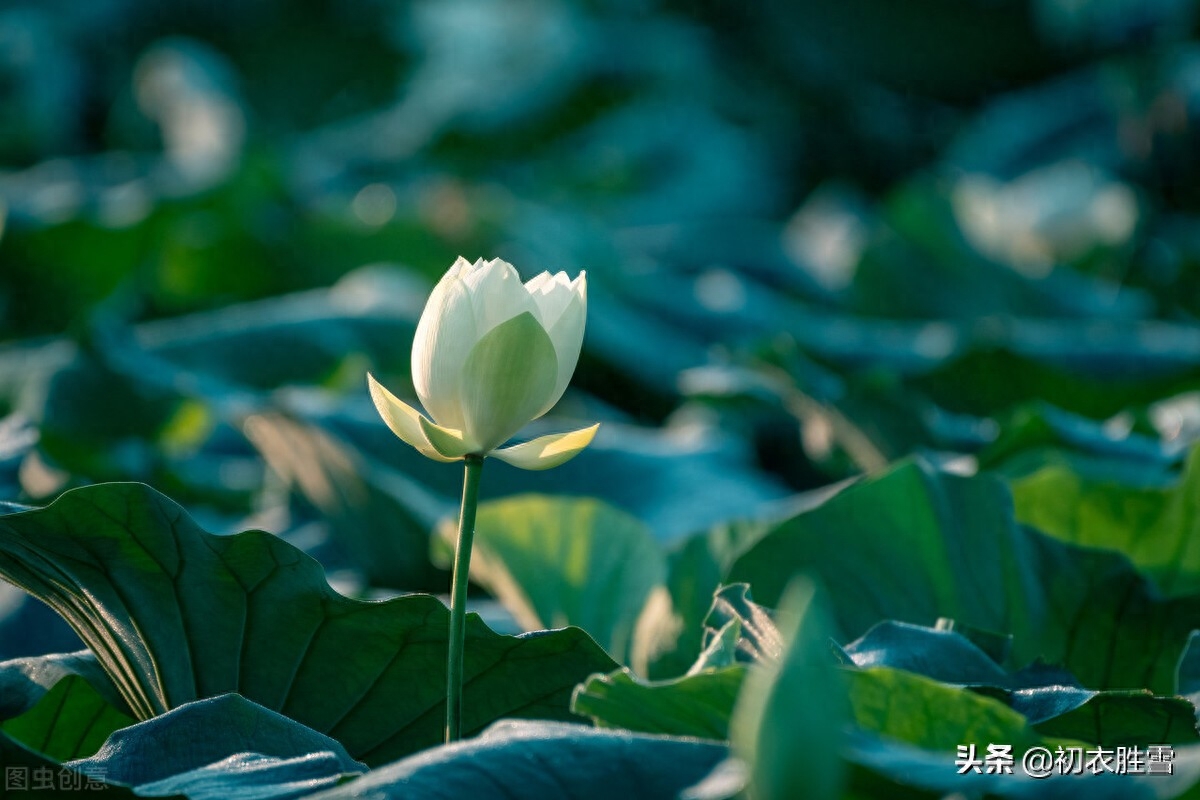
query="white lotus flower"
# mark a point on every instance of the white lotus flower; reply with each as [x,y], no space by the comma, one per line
[491,354]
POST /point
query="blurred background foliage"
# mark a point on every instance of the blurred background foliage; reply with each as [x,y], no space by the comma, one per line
[820,237]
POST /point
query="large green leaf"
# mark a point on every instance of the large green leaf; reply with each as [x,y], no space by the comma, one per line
[70,721]
[944,655]
[222,748]
[1049,699]
[560,561]
[175,614]
[1125,718]
[698,704]
[1157,528]
[25,681]
[900,688]
[62,706]
[250,776]
[543,761]
[932,715]
[916,544]
[204,732]
[909,729]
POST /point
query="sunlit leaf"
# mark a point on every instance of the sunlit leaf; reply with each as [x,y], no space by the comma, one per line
[175,614]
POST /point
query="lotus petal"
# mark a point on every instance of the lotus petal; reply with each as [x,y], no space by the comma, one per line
[548,451]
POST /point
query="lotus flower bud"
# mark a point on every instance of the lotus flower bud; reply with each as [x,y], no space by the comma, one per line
[491,354]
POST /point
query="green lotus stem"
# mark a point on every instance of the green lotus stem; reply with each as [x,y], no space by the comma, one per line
[458,596]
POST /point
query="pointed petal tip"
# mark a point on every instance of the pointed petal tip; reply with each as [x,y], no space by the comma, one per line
[380,395]
[500,264]
[492,276]
[537,283]
[459,268]
[549,451]
[402,419]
